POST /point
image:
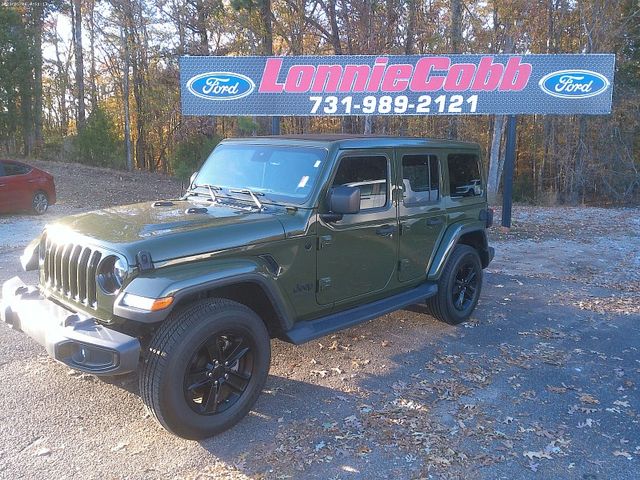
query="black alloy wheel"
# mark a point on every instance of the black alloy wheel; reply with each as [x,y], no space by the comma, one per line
[465,286]
[459,286]
[218,373]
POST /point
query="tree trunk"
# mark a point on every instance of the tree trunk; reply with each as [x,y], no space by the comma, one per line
[202,27]
[456,47]
[410,39]
[267,28]
[577,185]
[92,39]
[368,125]
[547,133]
[347,25]
[125,99]
[63,86]
[177,10]
[77,43]
[335,30]
[37,73]
[493,180]
[409,44]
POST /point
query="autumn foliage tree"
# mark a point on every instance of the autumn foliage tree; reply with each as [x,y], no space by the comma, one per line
[60,64]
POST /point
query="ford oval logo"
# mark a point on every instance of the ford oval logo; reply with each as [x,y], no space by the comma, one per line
[574,83]
[220,86]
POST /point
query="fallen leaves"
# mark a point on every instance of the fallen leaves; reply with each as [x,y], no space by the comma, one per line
[622,453]
[552,448]
[553,389]
[589,399]
[537,455]
[588,423]
[119,446]
[43,452]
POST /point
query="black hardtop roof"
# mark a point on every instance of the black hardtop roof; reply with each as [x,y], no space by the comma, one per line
[355,141]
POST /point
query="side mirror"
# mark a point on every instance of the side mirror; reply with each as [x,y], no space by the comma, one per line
[344,200]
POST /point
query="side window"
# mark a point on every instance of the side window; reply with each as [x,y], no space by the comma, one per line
[370,175]
[420,177]
[14,169]
[464,175]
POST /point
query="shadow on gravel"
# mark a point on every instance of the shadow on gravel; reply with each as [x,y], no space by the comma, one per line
[291,423]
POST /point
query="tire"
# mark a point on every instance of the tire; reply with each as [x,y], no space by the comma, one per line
[459,287]
[181,384]
[40,203]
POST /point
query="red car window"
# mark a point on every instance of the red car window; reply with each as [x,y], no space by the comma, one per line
[15,169]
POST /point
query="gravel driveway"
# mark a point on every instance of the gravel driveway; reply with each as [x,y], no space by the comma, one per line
[541,383]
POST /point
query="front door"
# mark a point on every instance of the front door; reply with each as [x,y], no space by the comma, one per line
[357,255]
[422,216]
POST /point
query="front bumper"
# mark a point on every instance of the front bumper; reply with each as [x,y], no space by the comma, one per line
[74,339]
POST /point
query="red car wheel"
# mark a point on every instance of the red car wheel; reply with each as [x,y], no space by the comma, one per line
[40,203]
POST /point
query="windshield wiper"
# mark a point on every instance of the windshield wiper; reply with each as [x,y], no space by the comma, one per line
[252,194]
[208,186]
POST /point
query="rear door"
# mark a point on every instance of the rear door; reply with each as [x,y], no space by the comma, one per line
[421,211]
[357,255]
[17,185]
[4,190]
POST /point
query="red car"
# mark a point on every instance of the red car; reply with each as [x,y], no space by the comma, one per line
[23,187]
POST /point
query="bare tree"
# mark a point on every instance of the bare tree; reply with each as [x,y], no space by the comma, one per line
[76,12]
[93,93]
[456,47]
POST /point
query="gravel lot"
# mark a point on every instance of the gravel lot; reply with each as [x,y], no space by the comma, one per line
[542,383]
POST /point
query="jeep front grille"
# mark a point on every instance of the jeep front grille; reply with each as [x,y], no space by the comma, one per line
[70,270]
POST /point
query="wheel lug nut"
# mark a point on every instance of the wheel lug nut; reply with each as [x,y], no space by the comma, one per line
[226,376]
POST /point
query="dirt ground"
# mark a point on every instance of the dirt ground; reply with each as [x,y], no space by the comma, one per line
[541,383]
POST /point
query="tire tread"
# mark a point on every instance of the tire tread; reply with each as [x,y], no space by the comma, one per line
[166,338]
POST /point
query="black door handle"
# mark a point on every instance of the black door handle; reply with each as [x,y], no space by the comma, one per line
[434,221]
[386,230]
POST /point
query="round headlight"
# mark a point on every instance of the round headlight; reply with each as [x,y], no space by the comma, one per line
[112,274]
[119,271]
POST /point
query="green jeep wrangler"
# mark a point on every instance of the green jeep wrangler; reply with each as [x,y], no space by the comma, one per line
[277,237]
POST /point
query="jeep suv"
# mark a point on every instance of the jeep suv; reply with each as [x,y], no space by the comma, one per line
[277,237]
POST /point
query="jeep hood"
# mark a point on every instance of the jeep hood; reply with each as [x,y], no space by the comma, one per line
[169,230]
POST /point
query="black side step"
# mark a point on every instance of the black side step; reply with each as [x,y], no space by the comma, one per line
[304,331]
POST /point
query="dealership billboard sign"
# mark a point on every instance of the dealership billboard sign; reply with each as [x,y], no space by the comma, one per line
[397,85]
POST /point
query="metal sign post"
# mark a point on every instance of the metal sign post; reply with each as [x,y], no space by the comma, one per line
[509,163]
[275,125]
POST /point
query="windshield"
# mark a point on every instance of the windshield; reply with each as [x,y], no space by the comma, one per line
[282,173]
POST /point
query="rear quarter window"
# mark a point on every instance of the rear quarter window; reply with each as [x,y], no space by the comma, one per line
[15,169]
[465,179]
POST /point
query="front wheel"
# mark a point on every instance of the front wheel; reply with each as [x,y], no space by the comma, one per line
[459,287]
[40,203]
[205,368]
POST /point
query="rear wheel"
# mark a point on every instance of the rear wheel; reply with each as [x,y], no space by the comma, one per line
[40,203]
[205,368]
[459,287]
